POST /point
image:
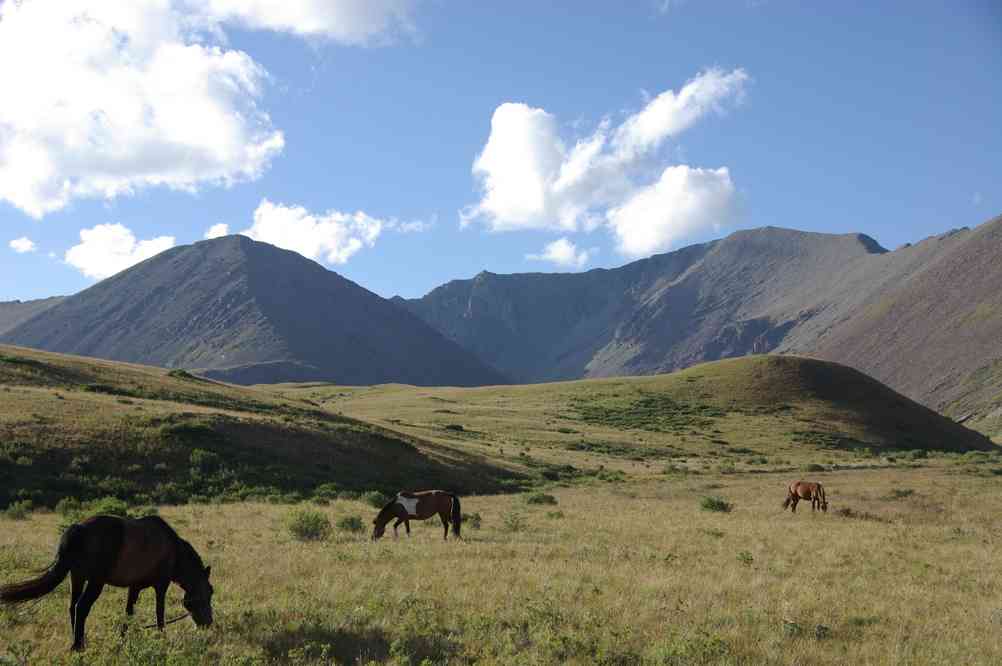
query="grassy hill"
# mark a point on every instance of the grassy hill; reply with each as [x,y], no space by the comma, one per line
[72,426]
[751,413]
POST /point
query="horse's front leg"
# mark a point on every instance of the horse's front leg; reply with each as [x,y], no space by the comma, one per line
[130,606]
[161,591]
[395,526]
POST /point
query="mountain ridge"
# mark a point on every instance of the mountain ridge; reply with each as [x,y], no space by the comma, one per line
[233,302]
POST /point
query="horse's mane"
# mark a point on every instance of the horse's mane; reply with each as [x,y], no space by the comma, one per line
[389,504]
[186,547]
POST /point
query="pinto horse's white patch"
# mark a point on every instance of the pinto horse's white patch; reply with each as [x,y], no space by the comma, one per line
[409,504]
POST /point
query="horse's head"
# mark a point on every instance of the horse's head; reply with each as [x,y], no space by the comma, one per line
[198,597]
[193,577]
[378,529]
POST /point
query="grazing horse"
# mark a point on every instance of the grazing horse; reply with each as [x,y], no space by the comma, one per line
[406,507]
[806,490]
[108,550]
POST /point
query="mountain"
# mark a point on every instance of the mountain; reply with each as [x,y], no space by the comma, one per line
[13,313]
[248,312]
[923,319]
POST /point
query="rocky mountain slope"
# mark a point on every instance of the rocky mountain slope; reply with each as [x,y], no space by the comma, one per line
[922,318]
[248,312]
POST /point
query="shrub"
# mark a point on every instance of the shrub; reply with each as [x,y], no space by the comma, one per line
[18,510]
[715,504]
[69,506]
[472,520]
[109,506]
[554,515]
[814,467]
[454,427]
[204,461]
[900,493]
[328,491]
[352,524]
[375,499]
[745,558]
[540,498]
[514,522]
[309,525]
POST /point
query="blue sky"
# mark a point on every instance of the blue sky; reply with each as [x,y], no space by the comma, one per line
[364,137]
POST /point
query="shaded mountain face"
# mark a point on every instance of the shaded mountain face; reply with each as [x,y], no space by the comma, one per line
[921,318]
[13,313]
[249,312]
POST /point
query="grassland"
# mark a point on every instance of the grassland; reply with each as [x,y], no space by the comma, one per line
[613,574]
[621,566]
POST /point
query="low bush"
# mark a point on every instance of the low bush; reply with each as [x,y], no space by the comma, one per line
[540,498]
[309,525]
[715,503]
[472,520]
[18,510]
[814,467]
[375,499]
[514,522]
[351,524]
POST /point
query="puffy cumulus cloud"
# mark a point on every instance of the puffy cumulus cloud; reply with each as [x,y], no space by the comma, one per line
[107,249]
[531,178]
[683,201]
[346,21]
[217,230]
[333,236]
[563,252]
[102,99]
[22,245]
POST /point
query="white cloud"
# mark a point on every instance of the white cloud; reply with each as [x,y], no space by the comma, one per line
[333,236]
[107,249]
[531,178]
[684,201]
[217,230]
[102,99]
[563,252]
[347,21]
[22,245]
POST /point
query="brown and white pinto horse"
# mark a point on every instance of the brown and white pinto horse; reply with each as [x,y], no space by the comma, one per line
[806,490]
[406,507]
[108,550]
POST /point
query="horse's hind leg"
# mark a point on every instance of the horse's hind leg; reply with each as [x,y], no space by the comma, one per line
[407,526]
[76,589]
[445,524]
[87,599]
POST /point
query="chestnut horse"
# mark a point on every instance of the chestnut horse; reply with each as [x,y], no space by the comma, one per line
[806,490]
[406,507]
[137,554]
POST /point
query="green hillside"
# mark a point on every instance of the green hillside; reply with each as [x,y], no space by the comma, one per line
[71,426]
[749,413]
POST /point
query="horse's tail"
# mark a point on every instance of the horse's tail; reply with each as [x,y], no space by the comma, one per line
[457,515]
[50,579]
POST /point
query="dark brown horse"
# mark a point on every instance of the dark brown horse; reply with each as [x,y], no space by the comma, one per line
[137,554]
[406,507]
[806,490]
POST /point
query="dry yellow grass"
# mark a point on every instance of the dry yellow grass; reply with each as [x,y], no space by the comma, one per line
[625,573]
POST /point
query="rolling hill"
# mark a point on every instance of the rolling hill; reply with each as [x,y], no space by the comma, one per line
[248,312]
[755,413]
[13,313]
[87,428]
